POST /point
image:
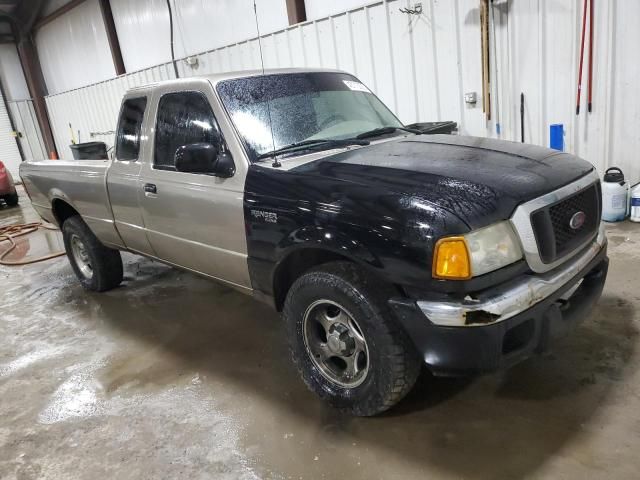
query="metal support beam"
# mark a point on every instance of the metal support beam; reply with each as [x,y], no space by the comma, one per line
[112,36]
[37,88]
[296,11]
[56,13]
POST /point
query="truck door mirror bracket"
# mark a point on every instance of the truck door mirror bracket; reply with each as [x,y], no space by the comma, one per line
[204,158]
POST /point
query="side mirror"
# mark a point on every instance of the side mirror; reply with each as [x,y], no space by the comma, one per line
[225,167]
[204,158]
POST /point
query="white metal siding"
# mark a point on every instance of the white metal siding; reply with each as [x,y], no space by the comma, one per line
[15,85]
[25,121]
[199,25]
[74,50]
[317,9]
[9,153]
[422,66]
[20,106]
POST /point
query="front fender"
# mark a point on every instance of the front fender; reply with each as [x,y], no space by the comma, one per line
[328,239]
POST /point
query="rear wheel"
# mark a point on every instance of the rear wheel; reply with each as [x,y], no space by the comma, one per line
[346,343]
[12,200]
[98,268]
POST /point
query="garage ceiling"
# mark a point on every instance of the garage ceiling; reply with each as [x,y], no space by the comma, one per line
[21,13]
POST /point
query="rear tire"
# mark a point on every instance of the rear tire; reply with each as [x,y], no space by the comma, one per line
[12,200]
[350,323]
[98,268]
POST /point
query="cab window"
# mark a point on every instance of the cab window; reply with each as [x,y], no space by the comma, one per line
[129,128]
[183,118]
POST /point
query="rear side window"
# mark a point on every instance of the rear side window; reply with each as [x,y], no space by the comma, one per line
[183,118]
[129,128]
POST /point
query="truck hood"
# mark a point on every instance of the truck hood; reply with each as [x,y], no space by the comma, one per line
[479,180]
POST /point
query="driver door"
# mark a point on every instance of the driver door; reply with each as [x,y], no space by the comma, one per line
[193,220]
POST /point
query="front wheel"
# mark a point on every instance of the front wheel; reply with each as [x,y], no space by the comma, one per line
[345,342]
[98,268]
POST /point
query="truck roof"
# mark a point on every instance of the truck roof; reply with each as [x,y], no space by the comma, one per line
[214,78]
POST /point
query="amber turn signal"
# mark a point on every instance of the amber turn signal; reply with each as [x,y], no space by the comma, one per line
[451,259]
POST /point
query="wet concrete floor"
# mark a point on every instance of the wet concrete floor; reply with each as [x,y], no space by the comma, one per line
[173,376]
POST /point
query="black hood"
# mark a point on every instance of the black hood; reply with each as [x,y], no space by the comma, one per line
[478,179]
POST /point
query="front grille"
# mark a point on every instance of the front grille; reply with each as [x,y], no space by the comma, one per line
[552,224]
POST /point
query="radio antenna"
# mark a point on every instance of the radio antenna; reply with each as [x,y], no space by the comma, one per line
[276,163]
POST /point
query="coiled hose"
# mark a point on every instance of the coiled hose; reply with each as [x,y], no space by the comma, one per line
[8,233]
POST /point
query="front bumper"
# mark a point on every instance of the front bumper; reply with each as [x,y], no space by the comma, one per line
[514,335]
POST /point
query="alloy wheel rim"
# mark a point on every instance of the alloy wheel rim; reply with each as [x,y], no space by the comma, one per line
[335,343]
[81,257]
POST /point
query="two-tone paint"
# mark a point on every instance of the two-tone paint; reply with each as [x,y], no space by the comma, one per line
[383,206]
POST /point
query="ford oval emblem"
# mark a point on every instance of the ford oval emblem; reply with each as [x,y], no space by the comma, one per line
[577,220]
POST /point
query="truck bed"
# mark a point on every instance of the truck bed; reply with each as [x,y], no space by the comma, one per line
[79,183]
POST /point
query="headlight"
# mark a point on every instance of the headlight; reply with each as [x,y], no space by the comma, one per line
[476,253]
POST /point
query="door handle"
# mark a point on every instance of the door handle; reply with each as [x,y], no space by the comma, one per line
[150,188]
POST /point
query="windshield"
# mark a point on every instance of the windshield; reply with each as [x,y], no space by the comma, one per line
[301,106]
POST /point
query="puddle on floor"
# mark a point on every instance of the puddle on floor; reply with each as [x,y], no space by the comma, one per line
[40,243]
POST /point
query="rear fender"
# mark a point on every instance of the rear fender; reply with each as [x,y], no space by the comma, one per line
[56,195]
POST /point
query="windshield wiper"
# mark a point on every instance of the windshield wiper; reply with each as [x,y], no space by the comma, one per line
[322,143]
[376,132]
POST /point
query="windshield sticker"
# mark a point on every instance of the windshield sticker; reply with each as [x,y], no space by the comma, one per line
[357,86]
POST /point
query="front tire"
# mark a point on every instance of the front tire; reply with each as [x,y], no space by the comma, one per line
[98,268]
[345,342]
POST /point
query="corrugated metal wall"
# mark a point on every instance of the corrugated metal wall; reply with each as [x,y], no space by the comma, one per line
[21,109]
[421,66]
[199,25]
[317,9]
[74,50]
[26,123]
[11,73]
[9,153]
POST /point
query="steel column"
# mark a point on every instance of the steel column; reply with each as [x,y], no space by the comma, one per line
[296,11]
[37,88]
[112,36]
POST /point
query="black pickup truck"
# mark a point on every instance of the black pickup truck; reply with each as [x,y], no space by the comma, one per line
[385,249]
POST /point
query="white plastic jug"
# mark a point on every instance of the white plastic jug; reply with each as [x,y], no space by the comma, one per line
[615,196]
[635,204]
